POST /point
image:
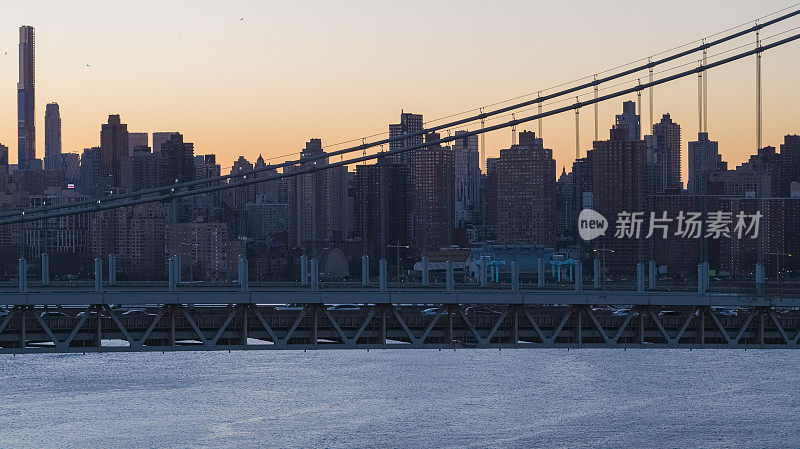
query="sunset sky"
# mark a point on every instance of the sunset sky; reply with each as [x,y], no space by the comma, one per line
[340,70]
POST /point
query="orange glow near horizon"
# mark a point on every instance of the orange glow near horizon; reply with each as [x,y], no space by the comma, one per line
[250,77]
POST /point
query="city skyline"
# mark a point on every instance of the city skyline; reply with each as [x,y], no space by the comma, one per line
[173,103]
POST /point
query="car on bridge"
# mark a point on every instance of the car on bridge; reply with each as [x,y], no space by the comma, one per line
[433,311]
[52,314]
[137,313]
[290,307]
[344,307]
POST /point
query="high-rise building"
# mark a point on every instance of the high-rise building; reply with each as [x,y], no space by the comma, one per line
[4,176]
[526,193]
[136,140]
[667,147]
[409,124]
[466,155]
[159,138]
[489,185]
[790,155]
[629,120]
[380,207]
[177,160]
[619,185]
[139,171]
[26,118]
[432,171]
[52,138]
[113,147]
[704,158]
[3,158]
[317,201]
[90,173]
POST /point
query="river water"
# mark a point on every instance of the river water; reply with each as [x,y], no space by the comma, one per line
[403,398]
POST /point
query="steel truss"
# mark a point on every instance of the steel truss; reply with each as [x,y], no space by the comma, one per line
[385,326]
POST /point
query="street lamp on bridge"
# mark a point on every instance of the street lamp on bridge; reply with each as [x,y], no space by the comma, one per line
[778,265]
[603,269]
[398,247]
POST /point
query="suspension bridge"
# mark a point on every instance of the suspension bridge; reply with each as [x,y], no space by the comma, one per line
[47,316]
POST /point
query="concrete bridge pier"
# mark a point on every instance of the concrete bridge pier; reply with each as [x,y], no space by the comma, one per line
[597,274]
[652,272]
[112,269]
[314,275]
[540,273]
[23,275]
[640,277]
[244,275]
[514,277]
[760,280]
[425,273]
[303,270]
[45,269]
[449,280]
[364,270]
[98,275]
[383,274]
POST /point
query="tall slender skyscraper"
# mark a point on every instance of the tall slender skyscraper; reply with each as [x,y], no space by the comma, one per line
[668,149]
[26,124]
[52,137]
[113,147]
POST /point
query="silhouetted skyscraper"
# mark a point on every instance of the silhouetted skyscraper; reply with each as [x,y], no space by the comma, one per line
[159,138]
[432,169]
[629,120]
[26,118]
[52,138]
[667,136]
[113,147]
[466,154]
[409,124]
[704,158]
[619,184]
[136,140]
[177,160]
[526,193]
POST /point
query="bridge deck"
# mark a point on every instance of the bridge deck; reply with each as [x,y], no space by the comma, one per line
[172,326]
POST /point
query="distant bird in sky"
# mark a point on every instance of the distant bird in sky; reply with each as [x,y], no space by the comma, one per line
[241,19]
[87,65]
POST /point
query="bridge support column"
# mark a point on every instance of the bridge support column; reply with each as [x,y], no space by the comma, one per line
[98,275]
[596,272]
[45,269]
[514,277]
[701,283]
[640,277]
[425,273]
[540,273]
[112,269]
[652,275]
[314,275]
[383,275]
[579,276]
[760,280]
[23,275]
[244,275]
[178,268]
[449,280]
[303,270]
[171,274]
[364,270]
[484,262]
